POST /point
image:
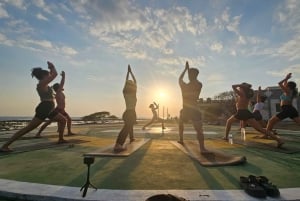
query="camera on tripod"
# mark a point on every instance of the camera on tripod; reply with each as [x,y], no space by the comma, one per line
[88,160]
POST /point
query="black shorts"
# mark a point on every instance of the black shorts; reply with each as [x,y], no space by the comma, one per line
[45,110]
[243,115]
[187,114]
[129,117]
[287,111]
[257,115]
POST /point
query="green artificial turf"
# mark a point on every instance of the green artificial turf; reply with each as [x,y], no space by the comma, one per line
[156,165]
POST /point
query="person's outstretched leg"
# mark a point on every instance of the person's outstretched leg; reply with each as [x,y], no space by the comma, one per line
[148,124]
[69,124]
[270,133]
[131,136]
[34,123]
[228,126]
[181,128]
[200,136]
[122,138]
[47,123]
[61,121]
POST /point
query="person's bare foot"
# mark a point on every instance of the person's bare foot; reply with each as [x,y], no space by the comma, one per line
[180,142]
[119,149]
[132,140]
[205,151]
[61,141]
[5,149]
[70,134]
[37,136]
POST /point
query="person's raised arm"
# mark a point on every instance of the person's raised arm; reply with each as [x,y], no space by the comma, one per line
[52,74]
[283,83]
[156,105]
[235,88]
[131,73]
[183,73]
[62,81]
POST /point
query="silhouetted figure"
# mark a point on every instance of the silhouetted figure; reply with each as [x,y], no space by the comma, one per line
[191,111]
[45,109]
[61,104]
[155,118]
[244,94]
[289,92]
[129,116]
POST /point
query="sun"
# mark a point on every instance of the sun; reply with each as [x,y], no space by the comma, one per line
[161,96]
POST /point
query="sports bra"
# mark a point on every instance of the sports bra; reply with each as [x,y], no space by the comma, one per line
[284,97]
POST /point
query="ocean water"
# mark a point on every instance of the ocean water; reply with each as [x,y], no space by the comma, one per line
[26,118]
[15,118]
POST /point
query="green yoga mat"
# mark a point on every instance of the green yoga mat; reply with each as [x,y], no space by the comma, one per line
[109,151]
[215,158]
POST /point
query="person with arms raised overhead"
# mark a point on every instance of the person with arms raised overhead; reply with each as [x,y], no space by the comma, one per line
[190,110]
[289,93]
[129,116]
[154,107]
[61,104]
[244,94]
[45,109]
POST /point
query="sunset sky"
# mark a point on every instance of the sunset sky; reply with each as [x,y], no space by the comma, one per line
[93,41]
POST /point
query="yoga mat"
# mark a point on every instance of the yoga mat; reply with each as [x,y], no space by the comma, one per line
[42,145]
[109,151]
[215,158]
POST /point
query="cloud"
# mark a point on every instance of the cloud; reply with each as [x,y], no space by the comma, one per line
[216,47]
[41,17]
[5,41]
[3,12]
[20,4]
[281,73]
[68,51]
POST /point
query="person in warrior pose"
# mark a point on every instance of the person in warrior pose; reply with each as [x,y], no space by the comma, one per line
[289,92]
[45,109]
[61,103]
[245,93]
[190,110]
[154,107]
[129,116]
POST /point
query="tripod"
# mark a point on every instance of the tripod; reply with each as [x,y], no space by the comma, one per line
[88,161]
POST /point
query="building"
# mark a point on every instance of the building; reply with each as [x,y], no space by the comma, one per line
[272,104]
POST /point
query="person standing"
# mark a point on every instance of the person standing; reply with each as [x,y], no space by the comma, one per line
[289,92]
[61,104]
[190,110]
[129,116]
[258,108]
[45,109]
